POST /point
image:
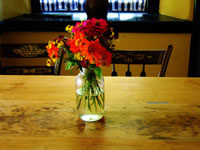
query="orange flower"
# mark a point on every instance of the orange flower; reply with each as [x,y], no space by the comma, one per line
[52,50]
[95,53]
[91,51]
[77,43]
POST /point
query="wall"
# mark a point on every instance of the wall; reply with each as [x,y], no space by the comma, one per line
[177,8]
[1,10]
[12,8]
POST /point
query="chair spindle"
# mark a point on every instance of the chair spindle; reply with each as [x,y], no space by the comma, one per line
[114,73]
[143,73]
[128,73]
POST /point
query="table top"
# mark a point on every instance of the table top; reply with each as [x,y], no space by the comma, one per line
[38,113]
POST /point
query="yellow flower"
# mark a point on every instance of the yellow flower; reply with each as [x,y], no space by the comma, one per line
[54,59]
[69,28]
[49,44]
[60,43]
[48,62]
[78,56]
[113,33]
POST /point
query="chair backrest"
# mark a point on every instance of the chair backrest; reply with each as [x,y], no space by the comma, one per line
[24,59]
[143,57]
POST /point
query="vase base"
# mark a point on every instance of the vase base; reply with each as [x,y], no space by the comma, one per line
[91,117]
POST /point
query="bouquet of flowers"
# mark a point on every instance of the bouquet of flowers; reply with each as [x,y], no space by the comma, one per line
[89,47]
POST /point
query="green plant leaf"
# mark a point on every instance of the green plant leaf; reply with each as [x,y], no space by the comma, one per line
[98,72]
[92,66]
[69,65]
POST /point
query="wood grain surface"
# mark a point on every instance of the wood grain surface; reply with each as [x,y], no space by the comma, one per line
[38,113]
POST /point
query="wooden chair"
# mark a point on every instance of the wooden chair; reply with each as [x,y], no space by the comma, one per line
[143,57]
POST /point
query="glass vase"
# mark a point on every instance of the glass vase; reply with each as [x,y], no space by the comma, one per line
[90,98]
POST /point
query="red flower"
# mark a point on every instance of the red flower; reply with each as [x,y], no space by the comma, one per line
[106,58]
[91,28]
[85,63]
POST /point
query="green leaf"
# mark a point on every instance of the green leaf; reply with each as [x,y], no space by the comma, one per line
[92,66]
[98,72]
[72,66]
[69,65]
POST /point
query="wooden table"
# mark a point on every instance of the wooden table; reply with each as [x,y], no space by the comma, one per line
[38,113]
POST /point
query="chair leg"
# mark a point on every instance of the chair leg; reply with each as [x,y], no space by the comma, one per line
[128,73]
[143,73]
[114,73]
